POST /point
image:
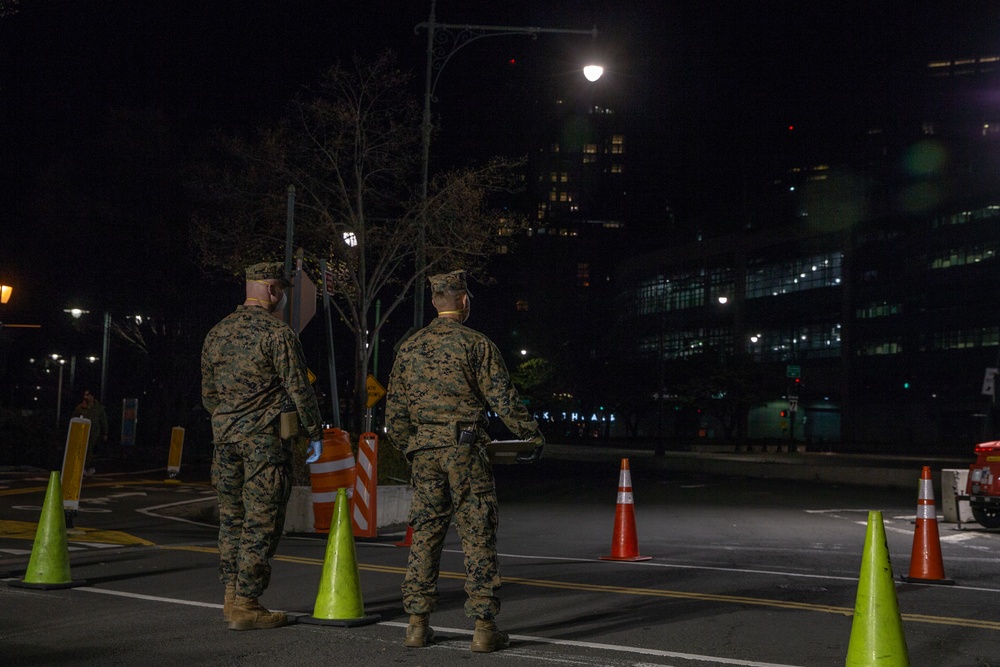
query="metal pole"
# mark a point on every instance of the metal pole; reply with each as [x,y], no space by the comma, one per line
[72,375]
[378,319]
[289,238]
[425,157]
[104,353]
[59,396]
[334,399]
[463,35]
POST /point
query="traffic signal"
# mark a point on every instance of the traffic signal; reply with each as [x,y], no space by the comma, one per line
[784,413]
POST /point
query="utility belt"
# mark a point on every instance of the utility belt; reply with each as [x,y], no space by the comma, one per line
[463,433]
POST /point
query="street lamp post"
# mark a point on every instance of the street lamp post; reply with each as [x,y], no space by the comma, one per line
[444,40]
[59,387]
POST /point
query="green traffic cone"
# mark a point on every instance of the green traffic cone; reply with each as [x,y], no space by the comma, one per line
[49,564]
[339,599]
[877,630]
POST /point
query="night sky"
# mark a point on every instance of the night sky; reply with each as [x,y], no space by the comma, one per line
[102,102]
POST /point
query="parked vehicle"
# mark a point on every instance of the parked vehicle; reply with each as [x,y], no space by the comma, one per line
[984,484]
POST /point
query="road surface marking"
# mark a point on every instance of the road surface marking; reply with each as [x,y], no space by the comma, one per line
[461,631]
[25,530]
[651,592]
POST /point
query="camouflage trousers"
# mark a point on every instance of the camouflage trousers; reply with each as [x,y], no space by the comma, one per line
[453,481]
[253,480]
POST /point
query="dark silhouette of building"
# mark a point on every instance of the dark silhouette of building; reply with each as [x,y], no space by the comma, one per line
[864,284]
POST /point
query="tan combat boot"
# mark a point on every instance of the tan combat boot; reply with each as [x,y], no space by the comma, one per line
[419,632]
[248,614]
[227,602]
[487,637]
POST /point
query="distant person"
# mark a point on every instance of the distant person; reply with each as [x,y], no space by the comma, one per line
[251,366]
[444,379]
[90,408]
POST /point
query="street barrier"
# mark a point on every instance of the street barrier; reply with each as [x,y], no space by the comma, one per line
[74,457]
[364,517]
[174,457]
[332,471]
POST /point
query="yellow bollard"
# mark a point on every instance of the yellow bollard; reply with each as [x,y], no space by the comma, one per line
[74,457]
[174,458]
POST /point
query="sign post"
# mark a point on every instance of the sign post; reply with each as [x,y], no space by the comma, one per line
[375,394]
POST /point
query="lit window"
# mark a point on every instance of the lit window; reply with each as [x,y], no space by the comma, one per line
[617,144]
[617,169]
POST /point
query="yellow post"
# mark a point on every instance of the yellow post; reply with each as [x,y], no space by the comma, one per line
[176,448]
[74,456]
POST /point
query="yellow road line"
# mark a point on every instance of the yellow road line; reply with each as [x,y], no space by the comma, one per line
[26,530]
[649,592]
[94,485]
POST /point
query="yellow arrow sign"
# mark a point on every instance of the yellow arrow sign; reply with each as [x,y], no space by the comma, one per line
[375,391]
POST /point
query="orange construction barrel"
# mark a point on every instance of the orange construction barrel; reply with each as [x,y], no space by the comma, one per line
[333,470]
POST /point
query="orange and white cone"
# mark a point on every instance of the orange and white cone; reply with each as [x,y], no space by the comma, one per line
[926,565]
[407,540]
[624,544]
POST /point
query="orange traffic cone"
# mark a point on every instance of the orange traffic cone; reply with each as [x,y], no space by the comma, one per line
[624,544]
[926,566]
[408,540]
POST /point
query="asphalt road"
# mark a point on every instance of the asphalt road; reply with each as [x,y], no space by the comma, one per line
[742,572]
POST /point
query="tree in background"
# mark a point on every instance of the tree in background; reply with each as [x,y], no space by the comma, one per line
[727,386]
[349,148]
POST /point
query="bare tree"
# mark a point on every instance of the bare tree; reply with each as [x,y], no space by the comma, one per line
[349,147]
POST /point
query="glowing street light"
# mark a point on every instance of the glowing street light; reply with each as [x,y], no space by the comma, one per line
[593,72]
[441,36]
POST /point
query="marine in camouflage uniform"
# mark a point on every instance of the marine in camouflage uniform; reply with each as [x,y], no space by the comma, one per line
[444,379]
[251,364]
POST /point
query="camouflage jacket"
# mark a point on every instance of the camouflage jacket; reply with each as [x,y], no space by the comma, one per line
[251,363]
[445,377]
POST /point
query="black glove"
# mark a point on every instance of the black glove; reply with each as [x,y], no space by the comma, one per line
[535,455]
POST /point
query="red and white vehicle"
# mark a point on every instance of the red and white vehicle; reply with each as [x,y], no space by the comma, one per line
[984,484]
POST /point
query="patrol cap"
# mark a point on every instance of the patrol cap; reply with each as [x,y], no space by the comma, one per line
[443,283]
[267,271]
